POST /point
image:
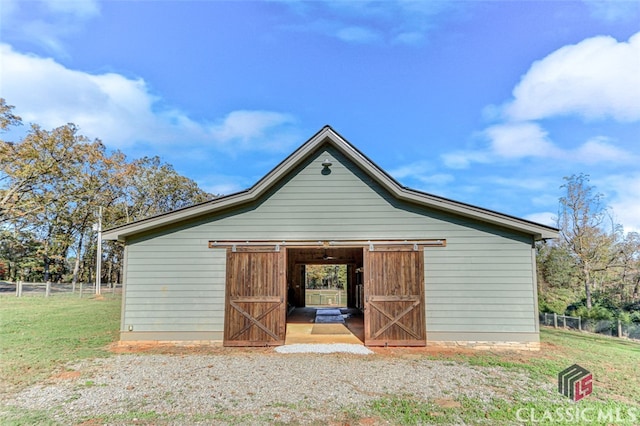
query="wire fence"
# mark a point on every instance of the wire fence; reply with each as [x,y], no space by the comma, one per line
[50,289]
[613,328]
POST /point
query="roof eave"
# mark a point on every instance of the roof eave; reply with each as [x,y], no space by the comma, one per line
[327,134]
[120,233]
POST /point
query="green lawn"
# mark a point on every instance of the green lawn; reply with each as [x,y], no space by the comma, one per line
[38,336]
[614,363]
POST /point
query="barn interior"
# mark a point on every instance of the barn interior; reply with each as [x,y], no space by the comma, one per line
[325,295]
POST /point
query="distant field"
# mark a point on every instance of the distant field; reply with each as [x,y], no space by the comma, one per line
[39,336]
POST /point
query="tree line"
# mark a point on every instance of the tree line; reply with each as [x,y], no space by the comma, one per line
[593,269]
[52,184]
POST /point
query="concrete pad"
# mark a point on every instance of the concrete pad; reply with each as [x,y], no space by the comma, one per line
[301,333]
[330,329]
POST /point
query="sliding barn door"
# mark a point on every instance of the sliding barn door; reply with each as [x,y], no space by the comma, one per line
[394,297]
[255,312]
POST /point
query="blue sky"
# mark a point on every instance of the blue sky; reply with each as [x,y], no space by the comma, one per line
[488,103]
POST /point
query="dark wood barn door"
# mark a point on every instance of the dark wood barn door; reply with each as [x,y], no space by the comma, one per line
[255,312]
[394,297]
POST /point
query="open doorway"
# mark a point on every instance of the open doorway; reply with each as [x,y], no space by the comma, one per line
[320,276]
[324,288]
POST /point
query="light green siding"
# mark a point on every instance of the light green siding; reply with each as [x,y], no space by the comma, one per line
[482,281]
[174,289]
[480,286]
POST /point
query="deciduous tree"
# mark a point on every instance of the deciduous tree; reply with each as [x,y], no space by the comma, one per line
[582,220]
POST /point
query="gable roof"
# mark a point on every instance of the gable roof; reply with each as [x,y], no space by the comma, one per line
[327,135]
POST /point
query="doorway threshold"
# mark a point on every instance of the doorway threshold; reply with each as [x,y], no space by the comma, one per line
[303,328]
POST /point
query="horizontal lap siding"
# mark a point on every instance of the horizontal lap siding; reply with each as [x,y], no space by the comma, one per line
[174,288]
[480,283]
[342,205]
[481,272]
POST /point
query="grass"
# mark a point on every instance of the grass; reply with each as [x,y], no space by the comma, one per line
[38,336]
[410,411]
[615,364]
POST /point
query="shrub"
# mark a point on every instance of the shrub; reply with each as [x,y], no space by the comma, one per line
[632,307]
[597,313]
[624,317]
[3,270]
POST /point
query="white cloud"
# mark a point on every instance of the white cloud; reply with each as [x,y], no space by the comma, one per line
[544,218]
[357,35]
[621,192]
[412,169]
[507,141]
[421,174]
[49,22]
[463,159]
[122,111]
[437,179]
[598,150]
[8,9]
[81,9]
[221,185]
[612,10]
[372,21]
[528,183]
[518,140]
[242,128]
[109,106]
[513,141]
[596,78]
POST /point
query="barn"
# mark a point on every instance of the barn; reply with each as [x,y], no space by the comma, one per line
[421,269]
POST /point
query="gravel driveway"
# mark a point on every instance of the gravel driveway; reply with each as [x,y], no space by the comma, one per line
[258,387]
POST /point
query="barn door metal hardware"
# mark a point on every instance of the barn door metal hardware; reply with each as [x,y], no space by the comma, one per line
[371,244]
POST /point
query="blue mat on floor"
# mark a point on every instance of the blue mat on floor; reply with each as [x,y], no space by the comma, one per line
[328,311]
[328,319]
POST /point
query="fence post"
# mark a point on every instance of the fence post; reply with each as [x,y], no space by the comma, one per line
[579,323]
[555,320]
[47,291]
[564,321]
[619,328]
[19,289]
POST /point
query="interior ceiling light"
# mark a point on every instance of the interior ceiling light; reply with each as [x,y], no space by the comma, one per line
[327,257]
